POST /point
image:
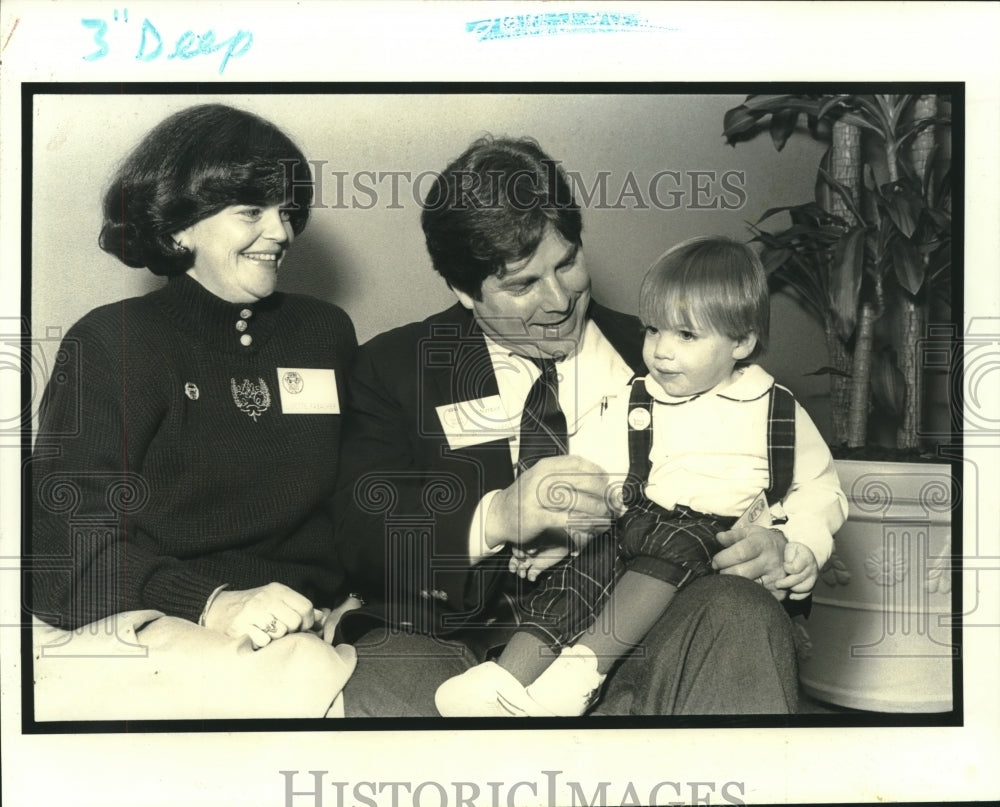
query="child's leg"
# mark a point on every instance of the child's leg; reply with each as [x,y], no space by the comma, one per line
[563,605]
[496,689]
[636,604]
[526,656]
[570,684]
[662,550]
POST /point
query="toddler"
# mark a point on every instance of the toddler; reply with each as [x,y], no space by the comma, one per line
[712,437]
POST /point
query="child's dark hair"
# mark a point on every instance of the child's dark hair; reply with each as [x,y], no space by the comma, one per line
[709,282]
[189,167]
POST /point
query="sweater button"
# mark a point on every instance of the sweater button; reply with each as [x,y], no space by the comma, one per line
[246,313]
[241,325]
[246,340]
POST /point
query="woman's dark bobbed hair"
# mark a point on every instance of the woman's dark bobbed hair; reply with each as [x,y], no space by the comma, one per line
[189,167]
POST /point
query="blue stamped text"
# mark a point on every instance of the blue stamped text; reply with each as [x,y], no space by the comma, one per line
[566,22]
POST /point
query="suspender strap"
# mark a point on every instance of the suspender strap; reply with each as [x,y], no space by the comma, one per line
[781,458]
[780,442]
[640,440]
[780,453]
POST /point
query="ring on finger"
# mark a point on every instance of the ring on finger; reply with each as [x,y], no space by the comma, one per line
[272,626]
[760,580]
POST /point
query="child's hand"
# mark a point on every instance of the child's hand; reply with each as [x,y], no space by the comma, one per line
[801,571]
[529,563]
[325,620]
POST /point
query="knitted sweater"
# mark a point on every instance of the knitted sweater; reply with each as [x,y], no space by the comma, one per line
[172,456]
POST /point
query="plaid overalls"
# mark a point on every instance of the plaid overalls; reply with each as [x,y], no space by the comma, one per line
[675,546]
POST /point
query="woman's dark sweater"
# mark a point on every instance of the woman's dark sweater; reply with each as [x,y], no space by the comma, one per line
[166,465]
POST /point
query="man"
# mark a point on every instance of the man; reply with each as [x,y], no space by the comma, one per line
[433,499]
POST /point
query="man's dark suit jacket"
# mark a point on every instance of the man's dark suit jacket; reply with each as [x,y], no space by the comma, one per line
[405,500]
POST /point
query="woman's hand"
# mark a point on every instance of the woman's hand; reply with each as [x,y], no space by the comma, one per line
[755,553]
[264,614]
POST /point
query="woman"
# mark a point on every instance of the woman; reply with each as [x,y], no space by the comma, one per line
[187,450]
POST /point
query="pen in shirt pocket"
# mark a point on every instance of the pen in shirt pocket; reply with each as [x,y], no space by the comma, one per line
[600,406]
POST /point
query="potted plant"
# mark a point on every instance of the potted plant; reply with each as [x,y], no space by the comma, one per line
[870,259]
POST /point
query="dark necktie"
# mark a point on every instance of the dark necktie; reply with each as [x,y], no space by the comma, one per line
[543,424]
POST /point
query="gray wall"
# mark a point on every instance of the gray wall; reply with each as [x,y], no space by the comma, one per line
[372,261]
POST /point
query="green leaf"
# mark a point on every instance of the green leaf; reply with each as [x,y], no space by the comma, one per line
[821,190]
[829,371]
[774,259]
[908,176]
[845,281]
[871,109]
[939,267]
[857,120]
[874,157]
[888,383]
[802,290]
[895,106]
[908,264]
[941,219]
[918,126]
[868,177]
[809,213]
[929,170]
[738,121]
[883,240]
[843,192]
[807,231]
[942,191]
[757,101]
[904,209]
[887,113]
[831,102]
[774,103]
[782,125]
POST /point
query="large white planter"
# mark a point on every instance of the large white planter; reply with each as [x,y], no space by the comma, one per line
[879,635]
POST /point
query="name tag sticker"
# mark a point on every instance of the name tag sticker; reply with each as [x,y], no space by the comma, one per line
[308,391]
[471,423]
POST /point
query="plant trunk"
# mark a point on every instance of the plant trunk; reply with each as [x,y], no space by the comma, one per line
[913,313]
[840,390]
[913,318]
[891,160]
[845,167]
[857,425]
[848,396]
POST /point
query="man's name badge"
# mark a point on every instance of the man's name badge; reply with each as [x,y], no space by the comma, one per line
[472,423]
[308,391]
[757,514]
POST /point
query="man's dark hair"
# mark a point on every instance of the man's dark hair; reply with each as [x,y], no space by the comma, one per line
[492,206]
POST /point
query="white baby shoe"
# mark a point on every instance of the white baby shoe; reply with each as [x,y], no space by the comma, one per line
[486,690]
[571,684]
